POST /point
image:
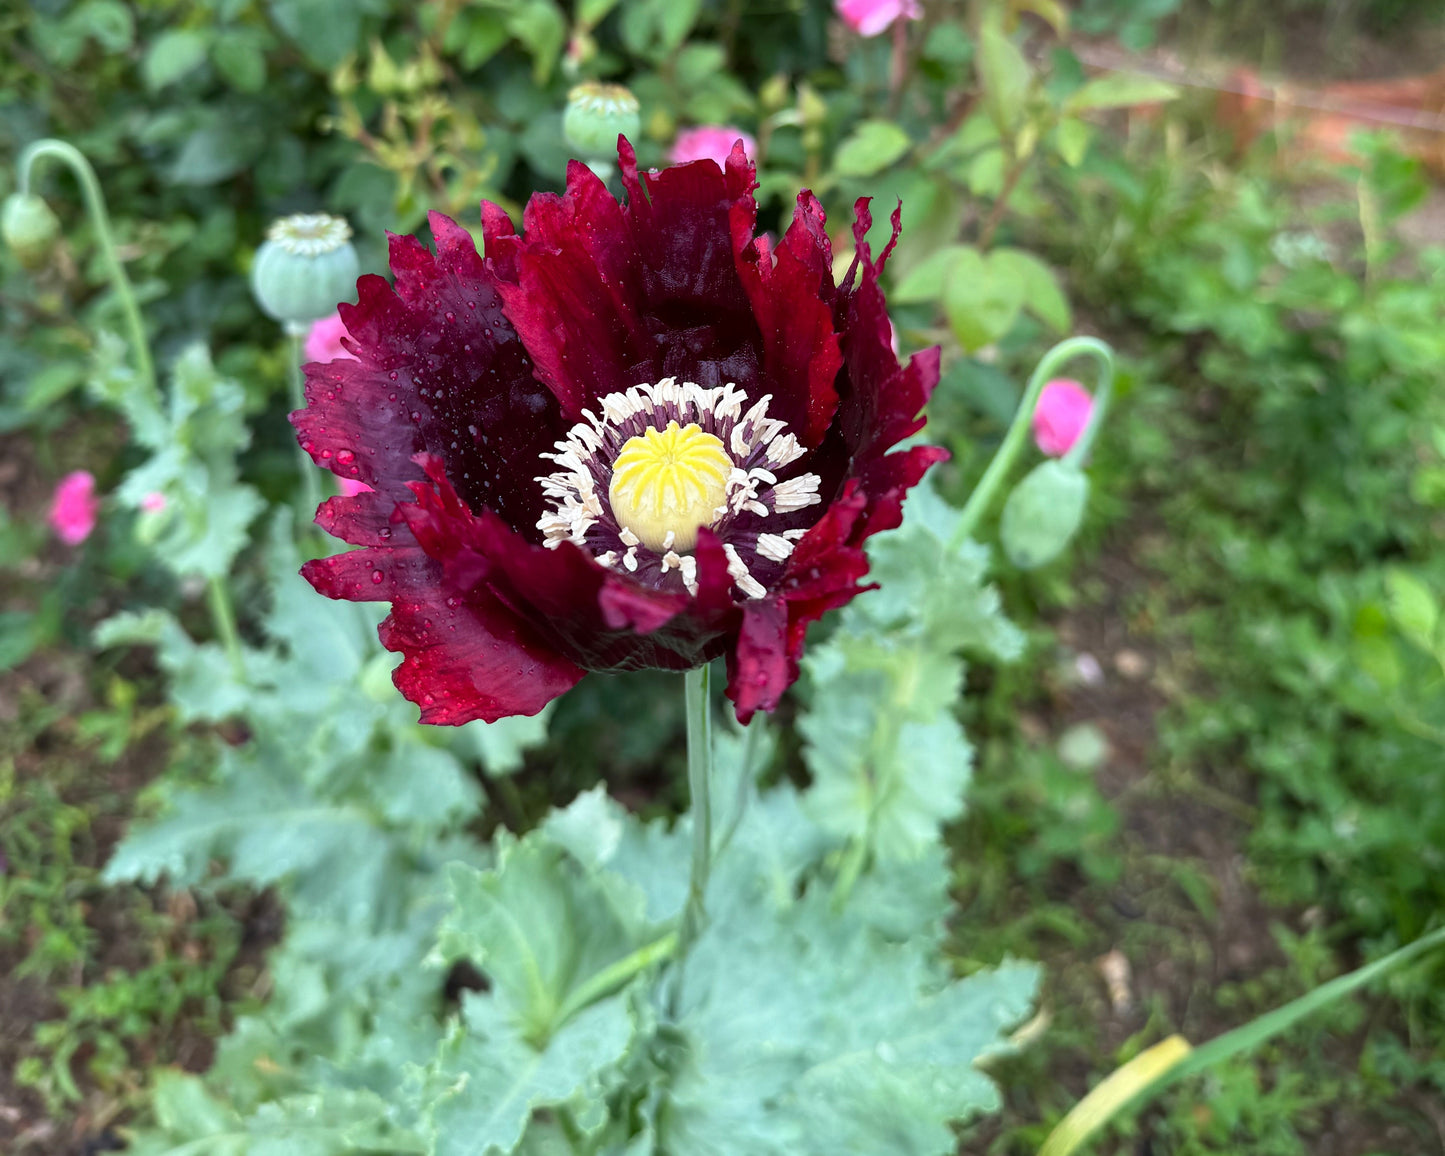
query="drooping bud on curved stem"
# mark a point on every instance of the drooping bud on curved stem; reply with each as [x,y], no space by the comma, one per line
[27,218]
[29,227]
[1017,436]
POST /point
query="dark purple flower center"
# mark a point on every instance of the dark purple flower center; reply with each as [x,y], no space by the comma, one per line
[637,482]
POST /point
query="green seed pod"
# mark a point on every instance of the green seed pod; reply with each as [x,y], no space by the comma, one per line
[1043,514]
[29,228]
[597,114]
[305,266]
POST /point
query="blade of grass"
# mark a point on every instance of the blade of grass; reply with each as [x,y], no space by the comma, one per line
[1165,1064]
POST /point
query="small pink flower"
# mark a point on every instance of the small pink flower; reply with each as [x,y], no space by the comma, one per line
[350,487]
[73,508]
[870,17]
[1061,415]
[153,503]
[710,142]
[323,341]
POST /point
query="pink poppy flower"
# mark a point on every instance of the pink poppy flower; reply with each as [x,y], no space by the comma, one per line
[1061,415]
[710,142]
[870,17]
[323,340]
[73,508]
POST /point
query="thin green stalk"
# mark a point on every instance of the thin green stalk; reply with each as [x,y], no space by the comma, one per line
[1165,1064]
[310,480]
[751,745]
[697,687]
[223,618]
[1014,441]
[100,219]
[609,979]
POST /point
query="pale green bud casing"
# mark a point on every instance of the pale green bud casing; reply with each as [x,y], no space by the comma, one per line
[29,227]
[597,114]
[1043,514]
[304,268]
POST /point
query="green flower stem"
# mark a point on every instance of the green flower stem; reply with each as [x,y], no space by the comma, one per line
[95,204]
[1014,441]
[223,617]
[609,979]
[697,687]
[310,479]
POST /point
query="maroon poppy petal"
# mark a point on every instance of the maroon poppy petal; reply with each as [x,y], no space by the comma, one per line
[760,668]
[438,368]
[698,314]
[373,575]
[500,240]
[471,658]
[363,520]
[578,298]
[627,606]
[466,656]
[887,481]
[790,292]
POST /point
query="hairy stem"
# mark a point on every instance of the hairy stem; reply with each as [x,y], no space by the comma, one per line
[75,160]
[1013,442]
[697,687]
[223,618]
[310,481]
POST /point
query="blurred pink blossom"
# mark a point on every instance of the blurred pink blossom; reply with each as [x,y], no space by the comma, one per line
[323,341]
[153,503]
[1061,415]
[350,487]
[870,17]
[710,142]
[73,508]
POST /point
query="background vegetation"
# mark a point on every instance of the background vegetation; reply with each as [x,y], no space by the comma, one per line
[1208,779]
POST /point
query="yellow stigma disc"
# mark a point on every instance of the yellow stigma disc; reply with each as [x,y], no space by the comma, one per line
[669,481]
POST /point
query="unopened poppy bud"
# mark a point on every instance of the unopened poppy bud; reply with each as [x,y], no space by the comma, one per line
[154,516]
[1061,416]
[597,114]
[305,266]
[29,227]
[1043,513]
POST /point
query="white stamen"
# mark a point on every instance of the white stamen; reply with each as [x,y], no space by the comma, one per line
[774,547]
[629,560]
[671,560]
[668,539]
[609,559]
[785,451]
[688,567]
[796,493]
[628,537]
[741,575]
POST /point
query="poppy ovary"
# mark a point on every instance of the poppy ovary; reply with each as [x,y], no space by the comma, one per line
[666,484]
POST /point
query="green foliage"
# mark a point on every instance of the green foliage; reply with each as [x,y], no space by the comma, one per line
[889,761]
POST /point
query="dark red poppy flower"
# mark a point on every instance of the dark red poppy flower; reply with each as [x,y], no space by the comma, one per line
[633,436]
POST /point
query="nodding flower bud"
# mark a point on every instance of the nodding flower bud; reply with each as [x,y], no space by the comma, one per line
[597,114]
[305,266]
[29,227]
[1043,513]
